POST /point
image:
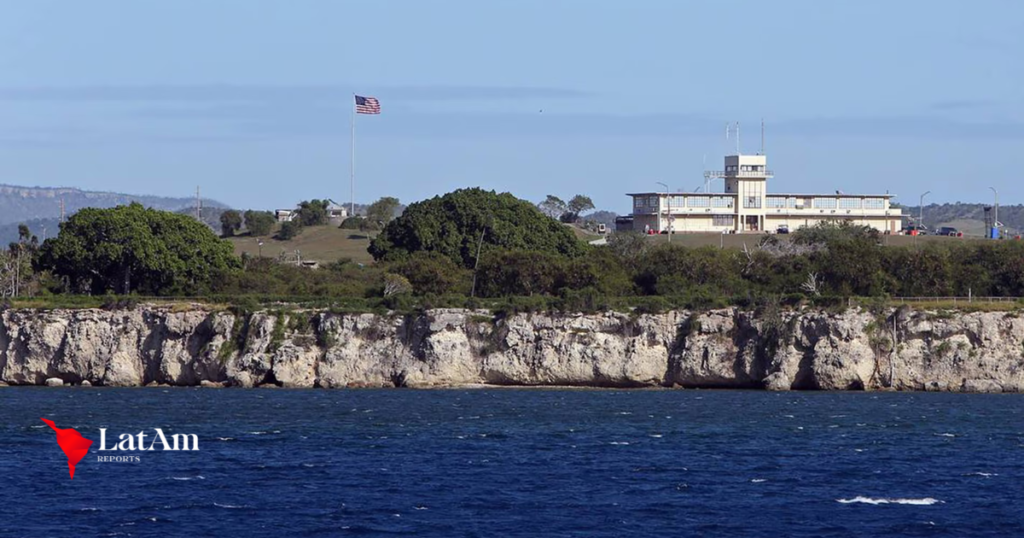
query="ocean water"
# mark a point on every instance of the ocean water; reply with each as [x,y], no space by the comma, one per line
[517,462]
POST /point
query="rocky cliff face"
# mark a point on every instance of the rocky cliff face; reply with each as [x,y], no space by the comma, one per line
[807,349]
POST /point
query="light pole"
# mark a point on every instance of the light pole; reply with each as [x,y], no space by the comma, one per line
[995,214]
[668,209]
[920,220]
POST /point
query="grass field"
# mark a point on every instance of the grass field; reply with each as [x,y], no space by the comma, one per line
[319,243]
[329,243]
[583,235]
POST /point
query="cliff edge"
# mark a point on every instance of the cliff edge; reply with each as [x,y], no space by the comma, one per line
[807,349]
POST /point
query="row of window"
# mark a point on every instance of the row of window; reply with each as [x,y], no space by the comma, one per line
[778,202]
[690,201]
[771,202]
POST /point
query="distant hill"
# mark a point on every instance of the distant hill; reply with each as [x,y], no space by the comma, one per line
[21,204]
[39,207]
[968,218]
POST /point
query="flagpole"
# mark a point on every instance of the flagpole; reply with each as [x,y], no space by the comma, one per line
[352,163]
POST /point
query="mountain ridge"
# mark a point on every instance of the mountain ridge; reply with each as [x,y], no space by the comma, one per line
[20,203]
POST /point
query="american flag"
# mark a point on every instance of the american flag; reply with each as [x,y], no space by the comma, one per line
[367,105]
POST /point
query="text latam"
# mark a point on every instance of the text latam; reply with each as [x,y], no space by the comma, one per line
[179,441]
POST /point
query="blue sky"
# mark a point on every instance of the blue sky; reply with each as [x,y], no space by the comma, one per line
[251,99]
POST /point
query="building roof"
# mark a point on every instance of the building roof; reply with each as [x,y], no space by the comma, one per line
[679,194]
[844,195]
[334,206]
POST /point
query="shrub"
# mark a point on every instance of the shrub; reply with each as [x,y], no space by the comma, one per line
[289,230]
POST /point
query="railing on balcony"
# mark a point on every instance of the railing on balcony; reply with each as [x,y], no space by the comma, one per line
[718,174]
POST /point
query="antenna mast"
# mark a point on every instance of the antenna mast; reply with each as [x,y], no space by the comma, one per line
[707,180]
[199,206]
[762,136]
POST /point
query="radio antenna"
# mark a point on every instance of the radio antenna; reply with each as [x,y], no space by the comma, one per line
[762,136]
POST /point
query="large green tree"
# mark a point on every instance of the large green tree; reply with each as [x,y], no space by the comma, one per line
[230,222]
[457,224]
[381,212]
[259,223]
[313,212]
[130,249]
[576,206]
[552,206]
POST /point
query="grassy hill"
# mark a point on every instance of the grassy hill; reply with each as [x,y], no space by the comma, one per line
[319,243]
[329,243]
[968,218]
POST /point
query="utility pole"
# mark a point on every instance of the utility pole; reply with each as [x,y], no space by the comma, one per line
[17,272]
[995,210]
[479,246]
[62,209]
[920,220]
[199,206]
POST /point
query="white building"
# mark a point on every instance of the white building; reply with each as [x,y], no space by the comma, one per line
[746,205]
[335,213]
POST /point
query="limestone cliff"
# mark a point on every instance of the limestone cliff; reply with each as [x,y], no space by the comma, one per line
[729,348]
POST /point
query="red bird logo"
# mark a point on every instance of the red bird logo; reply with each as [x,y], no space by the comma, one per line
[72,443]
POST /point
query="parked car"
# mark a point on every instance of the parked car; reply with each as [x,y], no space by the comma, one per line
[950,231]
[782,229]
[914,229]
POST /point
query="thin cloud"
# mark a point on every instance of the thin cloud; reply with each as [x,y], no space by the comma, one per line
[961,104]
[301,119]
[226,93]
[900,127]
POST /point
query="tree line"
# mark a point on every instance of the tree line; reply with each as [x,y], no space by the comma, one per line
[308,213]
[472,244]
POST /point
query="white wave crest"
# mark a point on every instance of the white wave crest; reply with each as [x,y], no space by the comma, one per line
[926,501]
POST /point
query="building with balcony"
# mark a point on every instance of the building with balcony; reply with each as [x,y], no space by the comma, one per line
[747,206]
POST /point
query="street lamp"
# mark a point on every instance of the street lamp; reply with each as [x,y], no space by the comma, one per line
[995,216]
[920,220]
[668,209]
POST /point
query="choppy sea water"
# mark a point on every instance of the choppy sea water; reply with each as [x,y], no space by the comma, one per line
[509,462]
